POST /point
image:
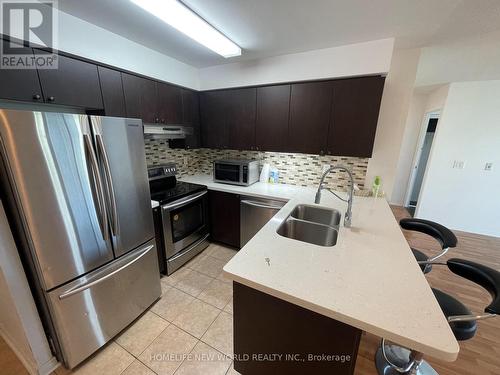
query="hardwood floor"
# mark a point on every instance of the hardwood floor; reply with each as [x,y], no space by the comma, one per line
[479,355]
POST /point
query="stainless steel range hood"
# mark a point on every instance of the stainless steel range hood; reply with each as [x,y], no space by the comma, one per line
[161,131]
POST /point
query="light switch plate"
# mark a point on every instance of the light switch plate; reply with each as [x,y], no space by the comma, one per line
[488,166]
[458,164]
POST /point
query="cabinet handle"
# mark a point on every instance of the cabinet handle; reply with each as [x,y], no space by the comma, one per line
[51,98]
[37,96]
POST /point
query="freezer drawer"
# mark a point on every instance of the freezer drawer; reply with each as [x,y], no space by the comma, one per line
[89,311]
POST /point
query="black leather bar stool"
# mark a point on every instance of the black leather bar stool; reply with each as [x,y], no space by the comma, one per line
[439,232]
[391,359]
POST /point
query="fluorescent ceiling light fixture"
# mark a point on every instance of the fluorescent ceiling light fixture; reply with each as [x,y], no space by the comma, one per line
[186,21]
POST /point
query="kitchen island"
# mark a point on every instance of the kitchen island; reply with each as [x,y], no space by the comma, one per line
[369,281]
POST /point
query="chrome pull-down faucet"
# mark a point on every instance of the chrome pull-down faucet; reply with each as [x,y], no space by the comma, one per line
[348,214]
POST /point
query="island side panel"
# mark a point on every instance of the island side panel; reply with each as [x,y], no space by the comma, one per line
[272,336]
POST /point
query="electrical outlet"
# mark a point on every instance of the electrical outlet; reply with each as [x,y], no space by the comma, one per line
[458,164]
[488,166]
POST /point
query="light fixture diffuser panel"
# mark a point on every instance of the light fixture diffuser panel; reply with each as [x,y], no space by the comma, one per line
[177,15]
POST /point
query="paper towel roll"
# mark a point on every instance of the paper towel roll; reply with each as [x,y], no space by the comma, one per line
[264,174]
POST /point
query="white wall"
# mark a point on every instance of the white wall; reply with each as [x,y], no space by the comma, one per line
[84,39]
[421,103]
[392,118]
[408,145]
[465,199]
[20,325]
[356,59]
[474,59]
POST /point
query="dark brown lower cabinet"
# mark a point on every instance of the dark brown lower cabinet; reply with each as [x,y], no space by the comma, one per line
[273,336]
[224,217]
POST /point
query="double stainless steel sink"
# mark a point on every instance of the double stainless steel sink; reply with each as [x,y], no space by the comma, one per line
[312,224]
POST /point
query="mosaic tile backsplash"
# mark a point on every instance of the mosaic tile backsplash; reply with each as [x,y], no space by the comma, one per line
[294,169]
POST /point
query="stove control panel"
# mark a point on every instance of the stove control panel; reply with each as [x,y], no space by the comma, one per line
[160,171]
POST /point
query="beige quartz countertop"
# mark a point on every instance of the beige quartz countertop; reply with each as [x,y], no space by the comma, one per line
[369,279]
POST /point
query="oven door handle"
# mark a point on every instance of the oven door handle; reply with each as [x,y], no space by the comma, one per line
[184,201]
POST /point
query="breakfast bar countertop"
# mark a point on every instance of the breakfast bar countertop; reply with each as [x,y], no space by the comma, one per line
[369,279]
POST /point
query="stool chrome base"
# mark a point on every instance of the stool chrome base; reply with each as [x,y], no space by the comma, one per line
[401,357]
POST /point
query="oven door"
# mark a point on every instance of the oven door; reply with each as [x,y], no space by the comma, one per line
[226,172]
[184,222]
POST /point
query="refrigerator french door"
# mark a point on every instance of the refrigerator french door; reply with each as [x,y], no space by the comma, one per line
[79,205]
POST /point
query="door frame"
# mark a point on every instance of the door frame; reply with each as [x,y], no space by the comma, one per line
[418,152]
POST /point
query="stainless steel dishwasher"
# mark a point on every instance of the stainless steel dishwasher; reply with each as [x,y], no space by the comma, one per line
[255,213]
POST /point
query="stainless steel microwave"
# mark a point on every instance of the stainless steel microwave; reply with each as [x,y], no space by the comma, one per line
[236,172]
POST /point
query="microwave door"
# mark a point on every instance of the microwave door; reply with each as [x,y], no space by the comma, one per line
[120,148]
[227,172]
[52,169]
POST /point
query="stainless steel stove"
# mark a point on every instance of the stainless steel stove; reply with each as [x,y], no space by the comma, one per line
[181,220]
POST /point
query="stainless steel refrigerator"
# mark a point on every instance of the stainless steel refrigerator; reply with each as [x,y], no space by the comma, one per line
[78,198]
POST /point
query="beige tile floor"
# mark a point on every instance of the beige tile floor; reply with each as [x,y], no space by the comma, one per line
[189,331]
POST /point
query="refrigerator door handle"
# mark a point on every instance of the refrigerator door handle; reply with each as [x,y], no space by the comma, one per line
[96,185]
[91,283]
[109,184]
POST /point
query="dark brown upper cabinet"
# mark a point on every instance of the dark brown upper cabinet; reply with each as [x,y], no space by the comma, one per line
[140,98]
[271,127]
[169,104]
[74,83]
[20,84]
[191,117]
[213,106]
[355,109]
[310,107]
[112,92]
[240,120]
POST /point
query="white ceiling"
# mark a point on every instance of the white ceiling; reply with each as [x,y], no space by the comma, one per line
[264,28]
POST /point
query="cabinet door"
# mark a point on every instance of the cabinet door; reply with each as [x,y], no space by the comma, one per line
[224,217]
[20,84]
[73,83]
[241,118]
[273,108]
[191,117]
[356,104]
[112,92]
[140,98]
[310,107]
[213,119]
[169,104]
